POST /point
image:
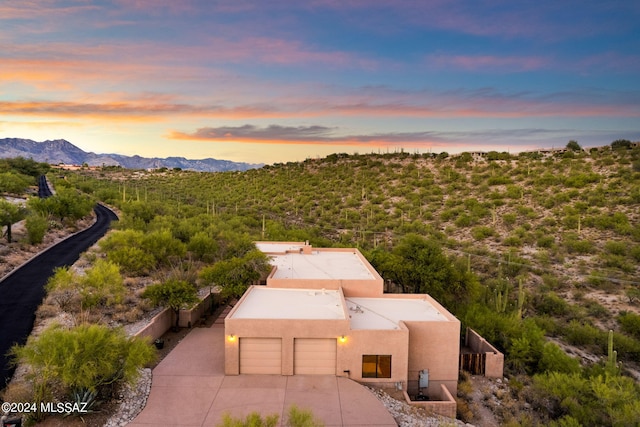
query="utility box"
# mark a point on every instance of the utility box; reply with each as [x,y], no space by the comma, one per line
[423,378]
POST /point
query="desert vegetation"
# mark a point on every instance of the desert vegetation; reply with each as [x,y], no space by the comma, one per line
[539,252]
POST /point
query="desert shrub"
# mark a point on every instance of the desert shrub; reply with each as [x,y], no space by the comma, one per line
[512,240]
[628,348]
[463,220]
[132,260]
[163,246]
[62,280]
[102,284]
[499,180]
[482,232]
[578,333]
[202,246]
[514,192]
[253,419]
[234,275]
[545,241]
[573,244]
[174,294]
[616,247]
[551,304]
[595,309]
[37,226]
[617,261]
[86,357]
[509,218]
[554,359]
[580,180]
[617,221]
[630,323]
[120,239]
[603,399]
[297,417]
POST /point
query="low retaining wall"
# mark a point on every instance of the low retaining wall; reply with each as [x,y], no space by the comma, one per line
[164,320]
[445,406]
[494,360]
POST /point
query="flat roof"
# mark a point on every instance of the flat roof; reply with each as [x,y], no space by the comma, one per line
[386,313]
[277,303]
[331,265]
[278,247]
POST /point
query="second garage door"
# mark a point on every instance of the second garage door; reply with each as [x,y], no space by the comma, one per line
[260,356]
[315,356]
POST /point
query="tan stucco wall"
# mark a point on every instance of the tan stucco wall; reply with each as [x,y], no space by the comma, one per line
[494,364]
[351,288]
[348,352]
[442,404]
[375,342]
[286,329]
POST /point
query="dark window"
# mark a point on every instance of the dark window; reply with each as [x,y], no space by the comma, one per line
[376,366]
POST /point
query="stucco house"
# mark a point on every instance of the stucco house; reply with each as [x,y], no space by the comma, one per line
[323,312]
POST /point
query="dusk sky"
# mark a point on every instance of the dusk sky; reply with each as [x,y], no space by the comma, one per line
[282,80]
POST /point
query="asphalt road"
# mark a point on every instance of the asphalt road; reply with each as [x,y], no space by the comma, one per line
[23,290]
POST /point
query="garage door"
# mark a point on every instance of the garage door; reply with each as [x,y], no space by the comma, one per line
[260,356]
[315,356]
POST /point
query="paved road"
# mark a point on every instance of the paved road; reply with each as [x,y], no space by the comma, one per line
[23,290]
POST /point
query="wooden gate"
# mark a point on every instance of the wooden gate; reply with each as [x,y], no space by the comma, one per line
[473,363]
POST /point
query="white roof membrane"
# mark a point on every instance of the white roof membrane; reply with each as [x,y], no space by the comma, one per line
[277,303]
[321,265]
[386,313]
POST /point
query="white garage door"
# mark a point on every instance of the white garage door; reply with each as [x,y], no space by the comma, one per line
[260,356]
[315,356]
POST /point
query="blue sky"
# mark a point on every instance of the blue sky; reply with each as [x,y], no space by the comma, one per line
[286,80]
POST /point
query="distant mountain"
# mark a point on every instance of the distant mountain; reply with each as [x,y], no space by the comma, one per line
[62,151]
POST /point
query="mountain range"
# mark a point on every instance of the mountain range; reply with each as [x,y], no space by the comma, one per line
[62,151]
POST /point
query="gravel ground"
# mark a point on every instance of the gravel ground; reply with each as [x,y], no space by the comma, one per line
[132,401]
[410,416]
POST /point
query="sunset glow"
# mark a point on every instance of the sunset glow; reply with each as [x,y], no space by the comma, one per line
[286,80]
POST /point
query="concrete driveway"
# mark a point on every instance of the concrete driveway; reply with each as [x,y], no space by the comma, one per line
[189,388]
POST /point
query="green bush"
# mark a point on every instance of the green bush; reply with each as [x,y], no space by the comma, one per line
[132,260]
[578,246]
[577,333]
[630,323]
[174,294]
[545,241]
[604,399]
[551,304]
[616,247]
[37,227]
[482,232]
[102,284]
[509,218]
[202,246]
[86,357]
[463,221]
[554,359]
[163,246]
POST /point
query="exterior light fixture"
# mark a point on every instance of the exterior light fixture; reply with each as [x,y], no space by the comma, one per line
[231,338]
[343,339]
